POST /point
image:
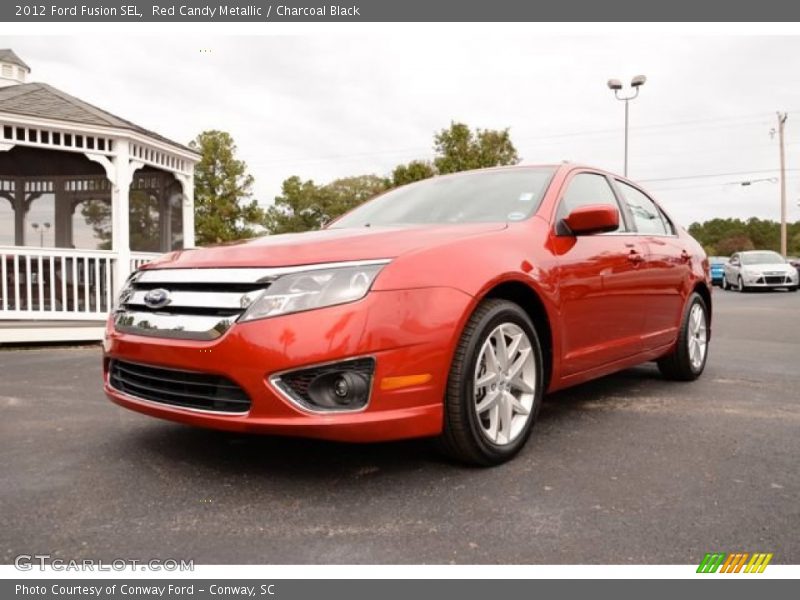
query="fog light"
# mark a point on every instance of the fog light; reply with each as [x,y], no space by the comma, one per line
[339,386]
[340,389]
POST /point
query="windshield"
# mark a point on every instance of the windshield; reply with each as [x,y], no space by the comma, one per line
[762,258]
[472,197]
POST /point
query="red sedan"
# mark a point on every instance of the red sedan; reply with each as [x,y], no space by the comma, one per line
[443,308]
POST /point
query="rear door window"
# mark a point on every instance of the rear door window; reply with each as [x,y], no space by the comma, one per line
[647,217]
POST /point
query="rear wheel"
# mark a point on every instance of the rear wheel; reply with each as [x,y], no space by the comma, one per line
[495,386]
[688,359]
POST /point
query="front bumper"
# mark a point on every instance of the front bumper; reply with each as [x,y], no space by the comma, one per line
[762,281]
[408,332]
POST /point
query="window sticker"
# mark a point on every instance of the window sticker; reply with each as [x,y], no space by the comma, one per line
[526,197]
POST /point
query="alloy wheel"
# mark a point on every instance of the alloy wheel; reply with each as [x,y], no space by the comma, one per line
[505,384]
[697,338]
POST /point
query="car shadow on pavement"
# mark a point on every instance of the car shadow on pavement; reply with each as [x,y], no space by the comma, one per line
[299,458]
[641,380]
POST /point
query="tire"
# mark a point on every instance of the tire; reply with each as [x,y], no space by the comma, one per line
[724,284]
[682,364]
[742,286]
[488,437]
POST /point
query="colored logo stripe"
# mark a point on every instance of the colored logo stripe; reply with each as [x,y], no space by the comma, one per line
[733,563]
[758,563]
[711,562]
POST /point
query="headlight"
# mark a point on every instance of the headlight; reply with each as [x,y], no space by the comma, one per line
[307,290]
[126,291]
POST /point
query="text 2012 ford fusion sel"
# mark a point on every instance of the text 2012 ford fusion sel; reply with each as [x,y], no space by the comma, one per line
[444,308]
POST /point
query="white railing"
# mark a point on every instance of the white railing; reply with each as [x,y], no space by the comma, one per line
[55,283]
[142,258]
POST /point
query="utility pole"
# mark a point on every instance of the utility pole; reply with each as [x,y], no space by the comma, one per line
[781,125]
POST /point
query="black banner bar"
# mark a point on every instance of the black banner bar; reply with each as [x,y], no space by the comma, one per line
[416,589]
[399,11]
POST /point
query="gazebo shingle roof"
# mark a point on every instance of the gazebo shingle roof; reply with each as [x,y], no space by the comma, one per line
[9,56]
[43,100]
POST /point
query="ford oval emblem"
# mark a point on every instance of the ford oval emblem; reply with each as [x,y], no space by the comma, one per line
[157,298]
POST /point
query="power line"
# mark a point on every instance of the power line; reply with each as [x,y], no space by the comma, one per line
[717,184]
[713,121]
[709,175]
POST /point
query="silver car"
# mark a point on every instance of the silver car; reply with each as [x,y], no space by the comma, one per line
[759,269]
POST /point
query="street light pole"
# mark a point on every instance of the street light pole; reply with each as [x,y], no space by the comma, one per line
[781,125]
[616,86]
[40,228]
[627,102]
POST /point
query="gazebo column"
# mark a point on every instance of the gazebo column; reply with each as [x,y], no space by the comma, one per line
[120,212]
[17,203]
[19,212]
[187,214]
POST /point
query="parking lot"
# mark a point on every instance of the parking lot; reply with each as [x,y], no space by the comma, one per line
[627,469]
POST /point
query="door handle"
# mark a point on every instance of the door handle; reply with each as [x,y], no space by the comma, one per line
[635,257]
[685,256]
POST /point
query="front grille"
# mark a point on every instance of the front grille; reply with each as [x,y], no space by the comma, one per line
[187,389]
[773,279]
[197,304]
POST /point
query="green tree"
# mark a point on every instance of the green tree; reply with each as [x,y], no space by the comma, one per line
[304,205]
[794,244]
[416,170]
[348,192]
[765,234]
[97,214]
[734,243]
[224,208]
[458,148]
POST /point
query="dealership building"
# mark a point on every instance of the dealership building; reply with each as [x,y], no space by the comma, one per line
[85,198]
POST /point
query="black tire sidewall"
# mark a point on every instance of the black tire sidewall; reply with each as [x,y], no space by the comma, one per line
[505,312]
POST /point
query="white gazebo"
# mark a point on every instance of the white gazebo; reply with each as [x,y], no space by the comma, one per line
[85,197]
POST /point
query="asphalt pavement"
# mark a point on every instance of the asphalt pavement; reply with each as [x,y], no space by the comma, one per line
[627,469]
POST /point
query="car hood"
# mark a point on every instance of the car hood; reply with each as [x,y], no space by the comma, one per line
[776,268]
[327,245]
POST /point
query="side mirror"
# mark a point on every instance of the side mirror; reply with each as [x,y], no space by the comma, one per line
[593,218]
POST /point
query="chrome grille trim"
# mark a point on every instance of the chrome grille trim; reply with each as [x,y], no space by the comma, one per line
[176,326]
[181,298]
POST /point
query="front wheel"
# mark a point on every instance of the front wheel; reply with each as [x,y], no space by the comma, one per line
[742,286]
[724,283]
[688,360]
[495,386]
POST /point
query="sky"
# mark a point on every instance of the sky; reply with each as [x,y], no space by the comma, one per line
[329,106]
